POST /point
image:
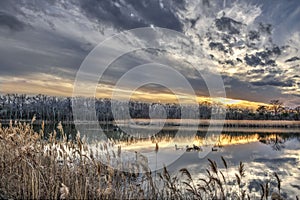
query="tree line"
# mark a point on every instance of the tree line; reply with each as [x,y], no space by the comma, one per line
[50,108]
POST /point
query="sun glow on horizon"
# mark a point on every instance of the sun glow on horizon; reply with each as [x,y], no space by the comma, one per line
[44,84]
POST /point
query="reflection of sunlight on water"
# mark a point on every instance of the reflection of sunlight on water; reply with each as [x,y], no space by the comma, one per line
[182,142]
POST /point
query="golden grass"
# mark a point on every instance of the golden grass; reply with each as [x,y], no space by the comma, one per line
[34,168]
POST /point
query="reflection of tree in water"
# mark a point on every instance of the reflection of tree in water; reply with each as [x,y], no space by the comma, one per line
[276,141]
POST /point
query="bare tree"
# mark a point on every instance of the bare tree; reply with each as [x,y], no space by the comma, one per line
[276,106]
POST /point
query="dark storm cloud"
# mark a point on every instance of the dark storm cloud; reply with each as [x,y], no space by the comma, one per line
[11,22]
[131,14]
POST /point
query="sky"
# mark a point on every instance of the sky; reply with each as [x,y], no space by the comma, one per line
[254,45]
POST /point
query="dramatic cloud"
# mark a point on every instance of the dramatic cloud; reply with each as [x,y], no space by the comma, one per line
[253,44]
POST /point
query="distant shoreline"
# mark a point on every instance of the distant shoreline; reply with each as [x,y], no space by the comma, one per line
[184,122]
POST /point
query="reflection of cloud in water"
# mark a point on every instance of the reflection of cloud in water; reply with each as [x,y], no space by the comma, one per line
[285,163]
[261,161]
[255,150]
